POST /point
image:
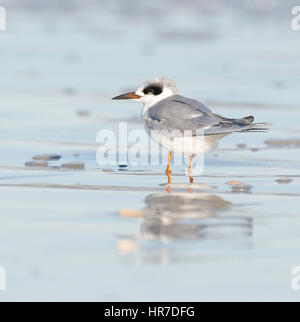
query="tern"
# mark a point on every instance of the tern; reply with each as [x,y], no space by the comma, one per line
[169,117]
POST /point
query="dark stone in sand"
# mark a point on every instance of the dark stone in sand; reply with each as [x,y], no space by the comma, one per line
[279,84]
[242,188]
[83,113]
[46,157]
[72,165]
[37,164]
[239,187]
[69,91]
[123,167]
[284,180]
[279,143]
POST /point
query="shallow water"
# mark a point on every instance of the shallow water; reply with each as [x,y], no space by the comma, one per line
[105,233]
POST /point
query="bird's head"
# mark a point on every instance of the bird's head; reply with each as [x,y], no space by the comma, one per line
[152,91]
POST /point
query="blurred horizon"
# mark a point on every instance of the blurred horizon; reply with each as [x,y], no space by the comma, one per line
[214,50]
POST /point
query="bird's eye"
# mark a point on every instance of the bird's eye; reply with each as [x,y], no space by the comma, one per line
[152,89]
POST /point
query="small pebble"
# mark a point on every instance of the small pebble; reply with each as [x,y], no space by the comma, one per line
[37,164]
[69,91]
[54,167]
[245,189]
[255,149]
[241,145]
[123,167]
[290,143]
[239,187]
[279,84]
[83,113]
[36,271]
[72,165]
[129,213]
[234,183]
[284,180]
[242,189]
[127,246]
[47,157]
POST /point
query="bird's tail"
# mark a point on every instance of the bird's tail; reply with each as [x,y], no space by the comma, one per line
[246,125]
[256,127]
[253,127]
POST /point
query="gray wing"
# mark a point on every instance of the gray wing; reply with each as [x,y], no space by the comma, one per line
[180,113]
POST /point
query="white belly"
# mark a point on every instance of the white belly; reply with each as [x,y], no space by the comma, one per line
[185,144]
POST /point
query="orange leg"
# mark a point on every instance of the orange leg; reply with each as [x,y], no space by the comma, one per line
[190,169]
[168,170]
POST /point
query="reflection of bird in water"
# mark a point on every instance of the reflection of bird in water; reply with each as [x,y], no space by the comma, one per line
[191,205]
[196,223]
[170,216]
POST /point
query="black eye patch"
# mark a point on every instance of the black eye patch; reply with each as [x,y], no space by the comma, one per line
[152,89]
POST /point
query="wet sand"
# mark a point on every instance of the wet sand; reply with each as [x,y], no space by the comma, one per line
[73,230]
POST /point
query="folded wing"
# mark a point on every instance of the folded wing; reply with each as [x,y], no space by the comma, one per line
[183,114]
